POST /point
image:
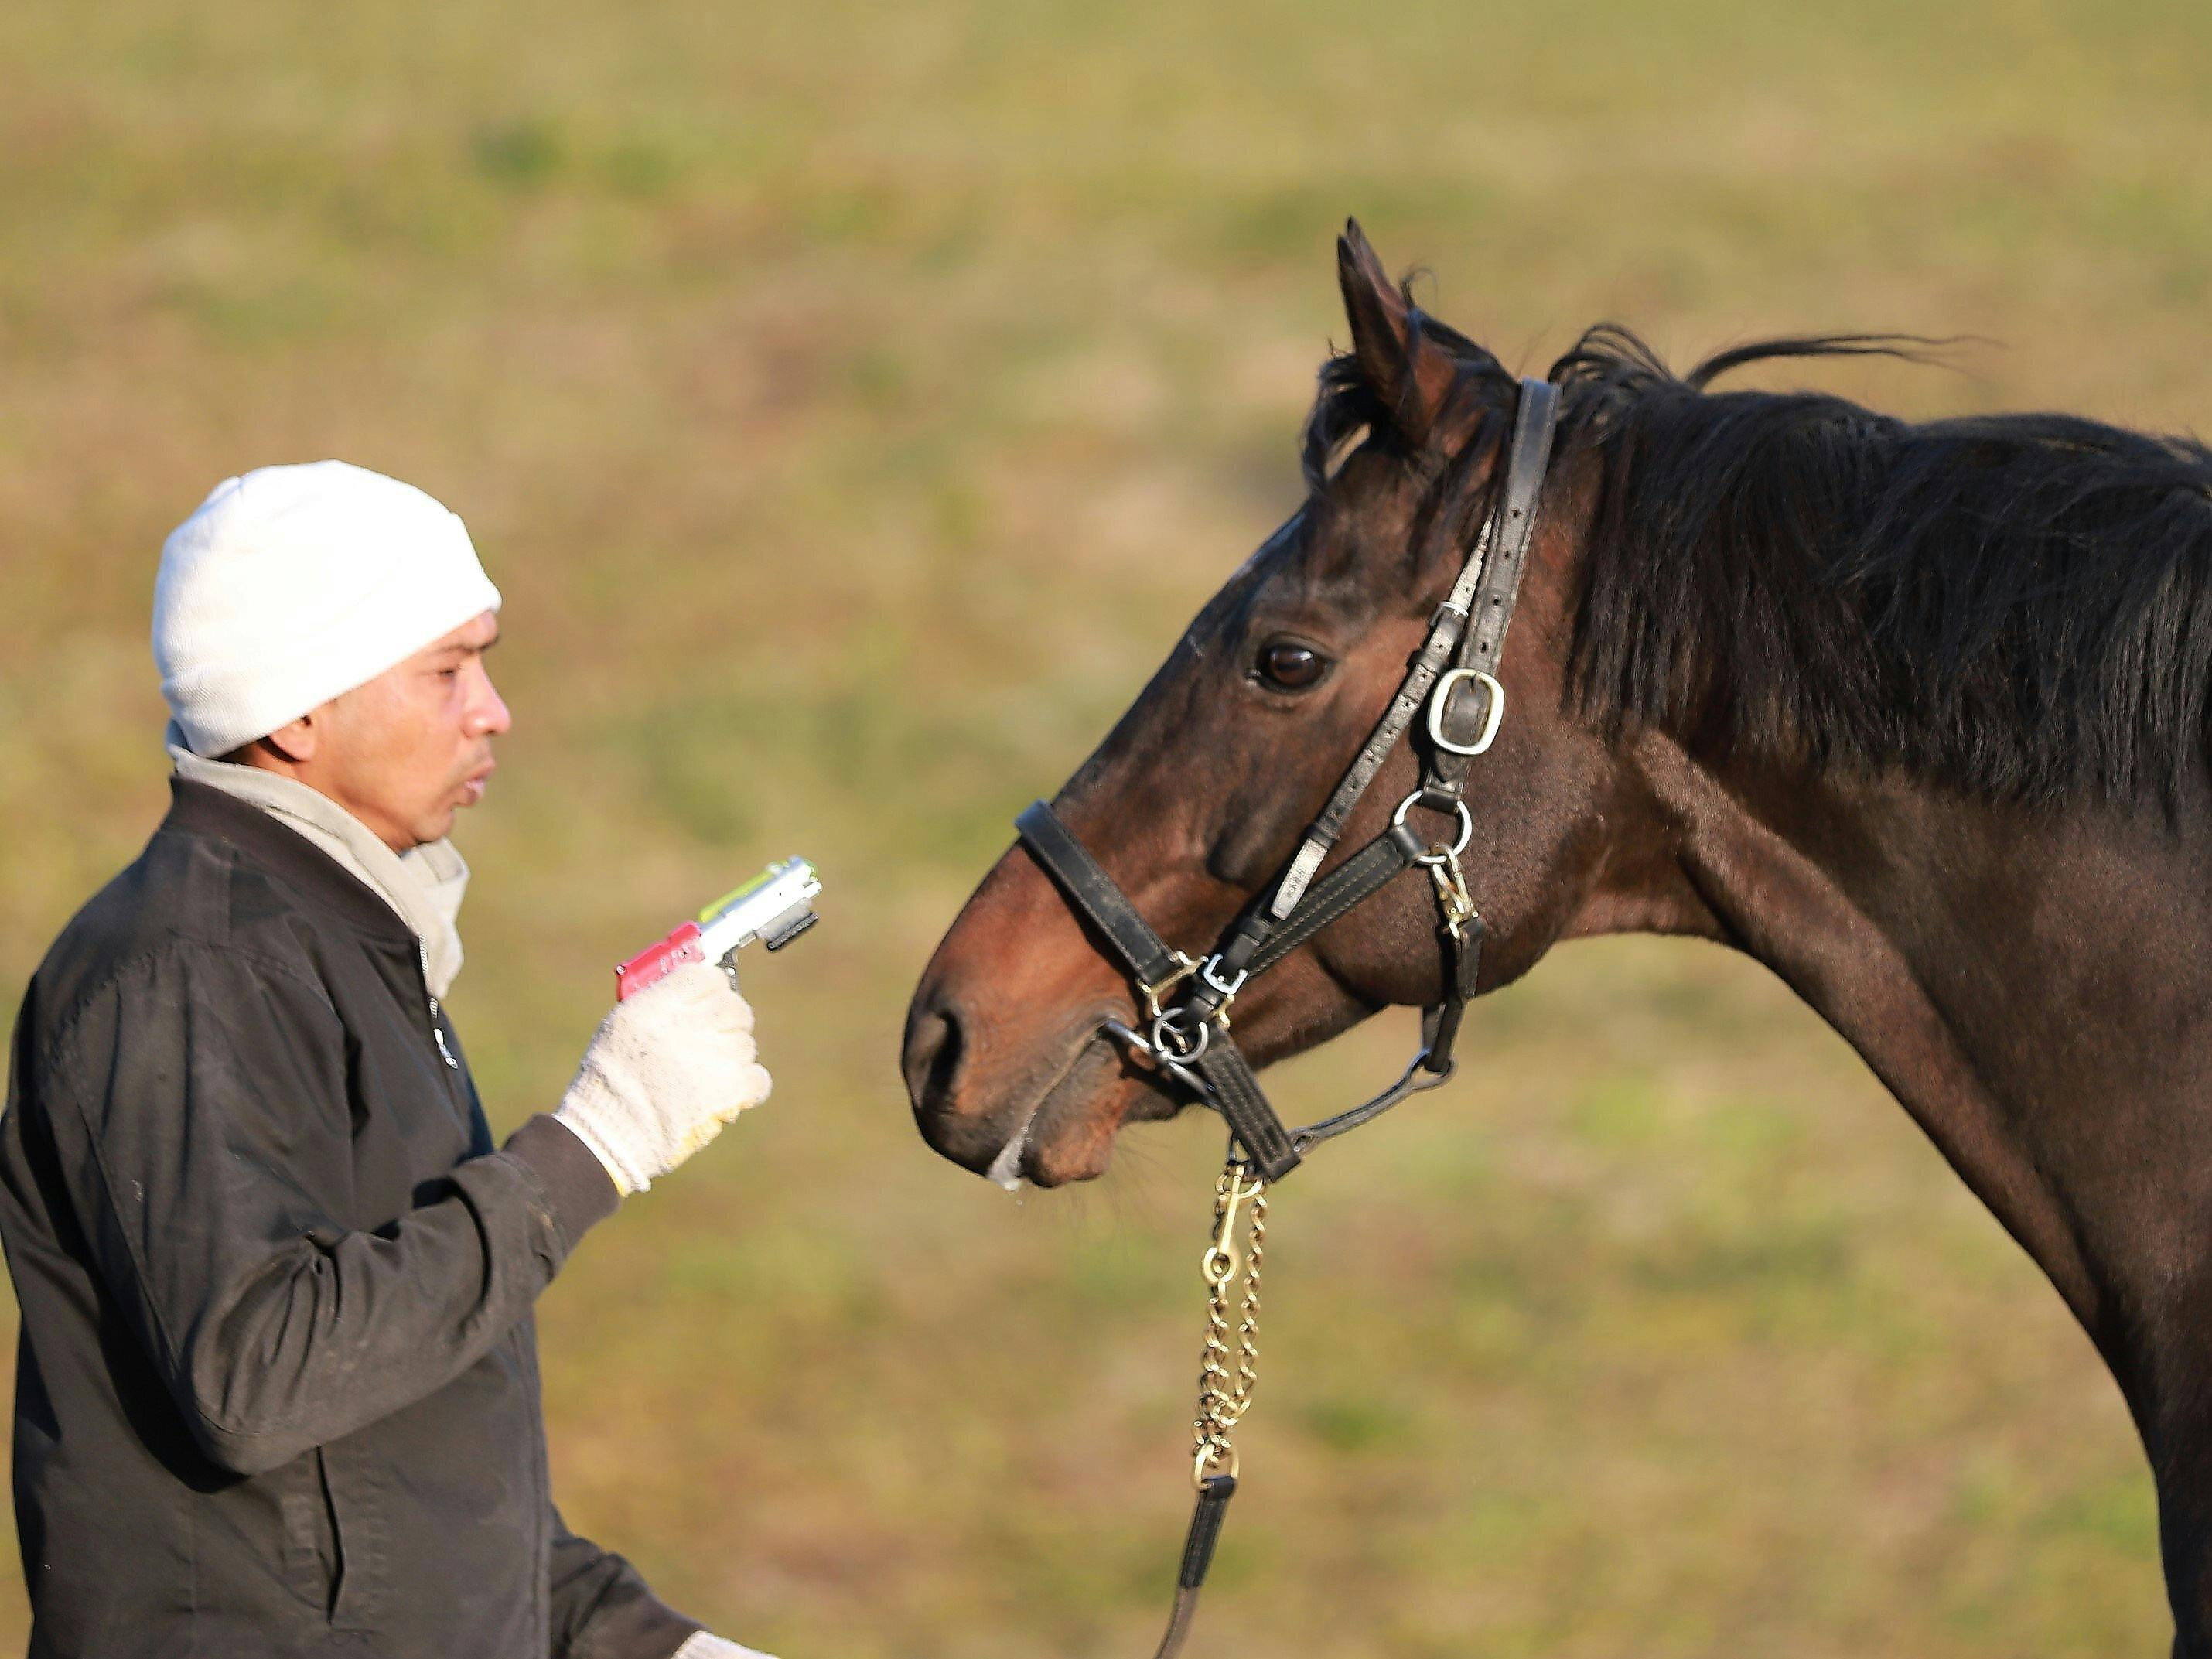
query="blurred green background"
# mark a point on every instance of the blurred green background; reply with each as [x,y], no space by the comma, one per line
[853,402]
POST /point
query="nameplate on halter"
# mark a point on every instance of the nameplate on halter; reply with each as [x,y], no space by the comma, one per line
[1296,879]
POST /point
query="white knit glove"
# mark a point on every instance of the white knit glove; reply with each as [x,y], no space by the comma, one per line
[667,1070]
[703,1646]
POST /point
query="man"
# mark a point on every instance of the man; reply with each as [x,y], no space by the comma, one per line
[278,1386]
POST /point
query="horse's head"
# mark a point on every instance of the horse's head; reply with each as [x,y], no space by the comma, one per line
[1196,799]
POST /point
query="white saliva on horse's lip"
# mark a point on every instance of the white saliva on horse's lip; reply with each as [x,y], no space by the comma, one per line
[1005,1170]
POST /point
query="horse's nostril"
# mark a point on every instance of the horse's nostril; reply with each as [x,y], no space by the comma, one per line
[933,1057]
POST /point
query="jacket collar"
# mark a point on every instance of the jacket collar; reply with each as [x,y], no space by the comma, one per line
[425,885]
[196,809]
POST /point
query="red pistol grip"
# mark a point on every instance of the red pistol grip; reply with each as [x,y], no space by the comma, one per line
[656,963]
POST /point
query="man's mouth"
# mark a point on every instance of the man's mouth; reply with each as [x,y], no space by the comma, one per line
[472,786]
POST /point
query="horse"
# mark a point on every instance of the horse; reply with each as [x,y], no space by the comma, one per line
[1914,713]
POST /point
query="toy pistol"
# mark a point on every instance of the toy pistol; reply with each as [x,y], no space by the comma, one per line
[775,906]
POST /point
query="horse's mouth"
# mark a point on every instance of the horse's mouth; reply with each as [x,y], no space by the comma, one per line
[1068,1134]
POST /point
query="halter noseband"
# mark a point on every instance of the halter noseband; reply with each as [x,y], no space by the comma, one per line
[1189,1035]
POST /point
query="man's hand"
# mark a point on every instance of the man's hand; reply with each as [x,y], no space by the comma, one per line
[667,1070]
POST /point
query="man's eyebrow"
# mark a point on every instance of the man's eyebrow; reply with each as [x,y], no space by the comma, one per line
[463,648]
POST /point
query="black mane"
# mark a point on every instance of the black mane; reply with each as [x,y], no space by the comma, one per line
[2018,606]
[2015,607]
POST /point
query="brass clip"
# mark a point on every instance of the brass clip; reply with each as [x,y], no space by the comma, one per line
[1222,1258]
[1452,895]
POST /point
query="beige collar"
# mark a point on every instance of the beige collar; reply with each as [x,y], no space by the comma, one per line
[425,886]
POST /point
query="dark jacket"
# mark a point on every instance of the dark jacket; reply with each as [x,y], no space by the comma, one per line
[278,1386]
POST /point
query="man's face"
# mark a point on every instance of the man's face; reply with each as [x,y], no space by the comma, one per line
[405,751]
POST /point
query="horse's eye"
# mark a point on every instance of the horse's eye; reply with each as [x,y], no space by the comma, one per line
[1289,667]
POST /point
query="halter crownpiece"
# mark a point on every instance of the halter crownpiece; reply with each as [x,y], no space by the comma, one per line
[1455,676]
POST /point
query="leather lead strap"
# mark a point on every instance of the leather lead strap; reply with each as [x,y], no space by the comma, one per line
[1205,1518]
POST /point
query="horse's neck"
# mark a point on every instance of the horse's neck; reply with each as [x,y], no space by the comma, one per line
[2032,987]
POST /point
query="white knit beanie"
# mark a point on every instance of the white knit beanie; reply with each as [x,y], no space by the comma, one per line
[296,583]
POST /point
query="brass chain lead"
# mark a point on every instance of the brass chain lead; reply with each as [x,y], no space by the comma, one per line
[1227,1373]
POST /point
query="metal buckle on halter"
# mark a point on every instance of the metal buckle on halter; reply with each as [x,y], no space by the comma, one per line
[1184,968]
[1210,973]
[1442,696]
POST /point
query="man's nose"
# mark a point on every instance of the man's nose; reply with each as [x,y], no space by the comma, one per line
[488,715]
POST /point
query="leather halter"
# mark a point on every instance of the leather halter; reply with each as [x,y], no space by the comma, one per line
[1454,676]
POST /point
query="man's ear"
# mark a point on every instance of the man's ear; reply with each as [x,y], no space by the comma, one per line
[1411,374]
[295,741]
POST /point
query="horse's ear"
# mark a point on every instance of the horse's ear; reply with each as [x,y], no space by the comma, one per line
[1410,373]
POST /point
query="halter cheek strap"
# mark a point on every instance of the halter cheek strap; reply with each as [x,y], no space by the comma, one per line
[1453,677]
[1461,726]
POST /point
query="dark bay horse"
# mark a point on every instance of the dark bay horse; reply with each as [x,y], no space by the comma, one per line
[1913,713]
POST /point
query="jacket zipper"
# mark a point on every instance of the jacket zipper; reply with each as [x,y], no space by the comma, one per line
[437,1031]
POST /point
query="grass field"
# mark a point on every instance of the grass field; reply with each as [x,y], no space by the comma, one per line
[852,402]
